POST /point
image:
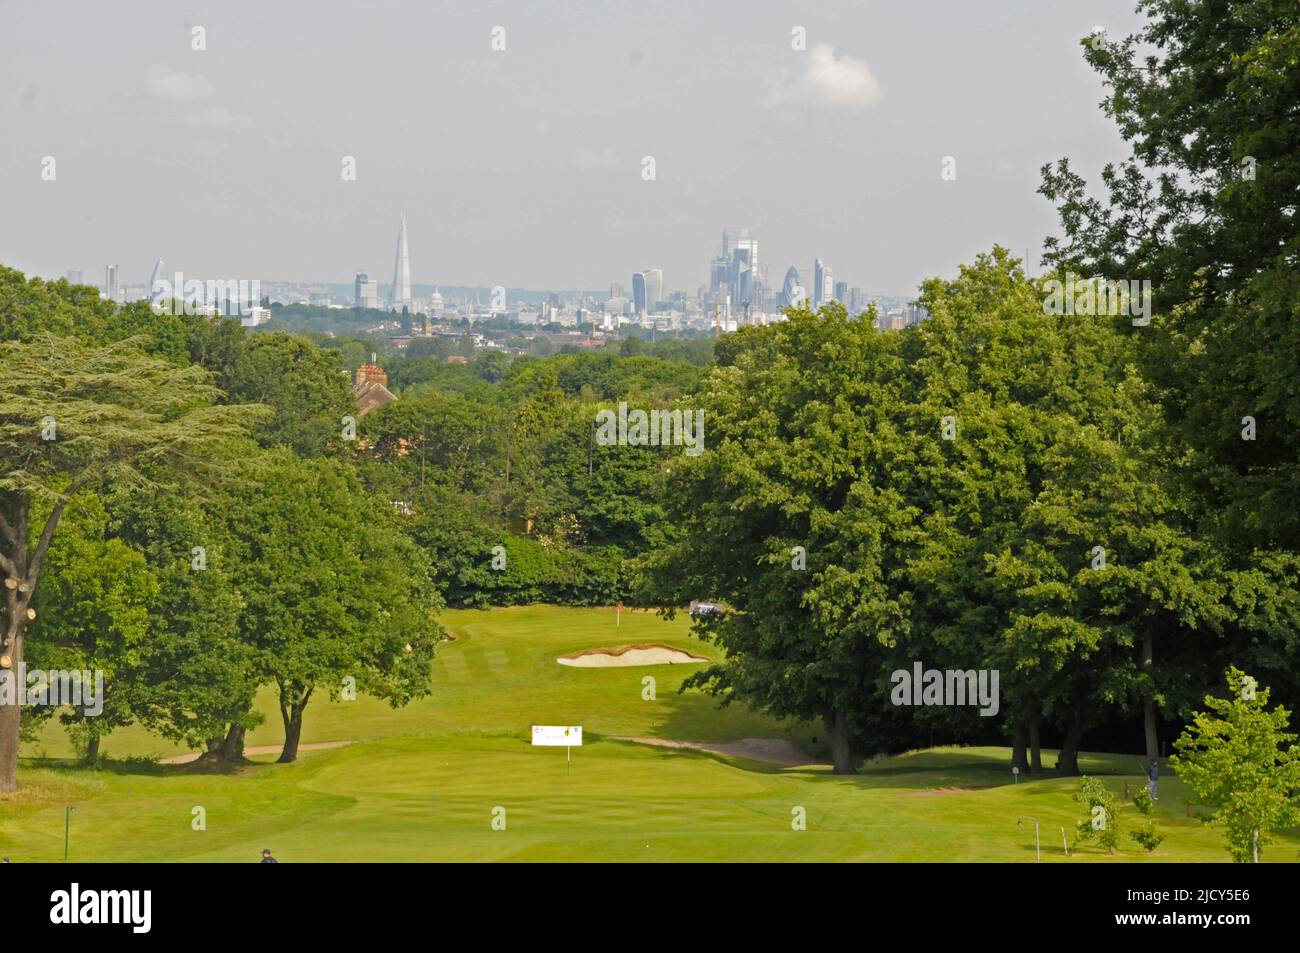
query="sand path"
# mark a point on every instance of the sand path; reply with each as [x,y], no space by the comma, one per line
[770,750]
[258,749]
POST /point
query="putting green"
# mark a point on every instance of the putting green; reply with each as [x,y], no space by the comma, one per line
[427,782]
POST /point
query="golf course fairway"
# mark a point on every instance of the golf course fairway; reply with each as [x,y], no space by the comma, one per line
[452,777]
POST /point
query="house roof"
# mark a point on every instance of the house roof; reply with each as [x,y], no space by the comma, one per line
[371,395]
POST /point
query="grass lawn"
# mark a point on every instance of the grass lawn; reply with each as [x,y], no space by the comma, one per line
[422,782]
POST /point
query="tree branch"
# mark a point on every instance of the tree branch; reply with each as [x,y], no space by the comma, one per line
[6,530]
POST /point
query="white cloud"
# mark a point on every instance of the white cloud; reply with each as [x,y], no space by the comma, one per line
[829,80]
[173,87]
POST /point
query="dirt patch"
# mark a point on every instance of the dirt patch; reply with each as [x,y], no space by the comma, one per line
[259,749]
[780,751]
[937,792]
[646,653]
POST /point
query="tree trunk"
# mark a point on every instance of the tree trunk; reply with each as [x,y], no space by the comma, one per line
[232,749]
[1149,702]
[9,715]
[291,715]
[1254,845]
[1067,762]
[92,750]
[23,567]
[837,729]
[292,733]
[14,548]
[1019,742]
[1035,749]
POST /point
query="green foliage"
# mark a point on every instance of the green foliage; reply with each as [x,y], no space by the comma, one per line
[93,616]
[1203,207]
[304,386]
[196,676]
[76,418]
[331,588]
[806,446]
[1102,823]
[1142,801]
[1146,836]
[1145,833]
[1240,759]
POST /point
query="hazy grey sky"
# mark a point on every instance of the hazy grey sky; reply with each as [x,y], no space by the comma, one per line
[523,167]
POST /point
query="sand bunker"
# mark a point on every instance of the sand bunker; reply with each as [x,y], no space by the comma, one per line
[628,655]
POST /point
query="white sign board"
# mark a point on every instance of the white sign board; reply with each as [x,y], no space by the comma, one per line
[561,736]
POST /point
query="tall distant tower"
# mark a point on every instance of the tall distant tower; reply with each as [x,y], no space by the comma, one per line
[400,297]
[823,289]
[647,290]
[793,292]
[160,271]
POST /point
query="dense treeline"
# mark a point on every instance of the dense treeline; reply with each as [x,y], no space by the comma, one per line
[1101,510]
[196,512]
[495,453]
[180,512]
[987,491]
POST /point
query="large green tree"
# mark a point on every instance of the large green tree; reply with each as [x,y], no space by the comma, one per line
[93,616]
[1056,538]
[1207,96]
[196,678]
[797,516]
[74,417]
[332,590]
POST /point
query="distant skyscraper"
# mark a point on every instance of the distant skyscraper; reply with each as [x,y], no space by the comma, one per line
[744,269]
[159,271]
[365,291]
[638,292]
[654,287]
[842,292]
[821,290]
[110,282]
[74,276]
[400,297]
[737,268]
[719,274]
[647,290]
[790,290]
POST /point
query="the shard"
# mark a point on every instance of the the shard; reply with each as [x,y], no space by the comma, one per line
[400,296]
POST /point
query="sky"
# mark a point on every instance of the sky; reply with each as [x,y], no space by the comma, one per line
[525,166]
